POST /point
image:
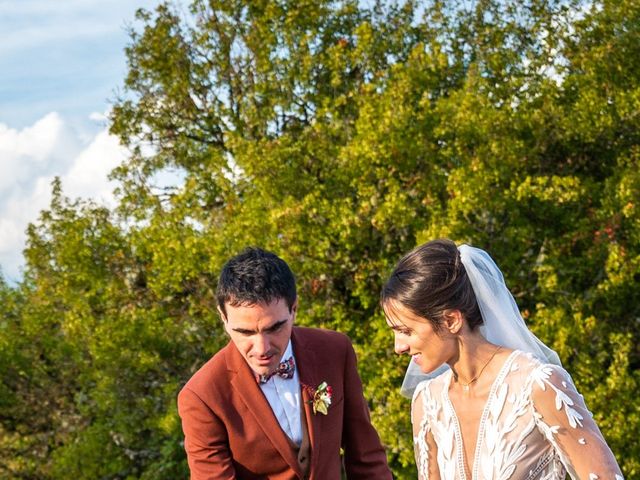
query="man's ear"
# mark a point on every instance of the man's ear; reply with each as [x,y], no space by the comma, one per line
[453,321]
[294,307]
[222,315]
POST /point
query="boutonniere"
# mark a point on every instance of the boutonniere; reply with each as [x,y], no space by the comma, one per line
[321,398]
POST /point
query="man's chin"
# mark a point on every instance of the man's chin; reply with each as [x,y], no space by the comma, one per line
[261,369]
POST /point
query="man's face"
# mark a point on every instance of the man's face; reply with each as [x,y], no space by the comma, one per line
[261,332]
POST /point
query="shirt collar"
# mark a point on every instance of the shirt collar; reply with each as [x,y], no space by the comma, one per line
[288,352]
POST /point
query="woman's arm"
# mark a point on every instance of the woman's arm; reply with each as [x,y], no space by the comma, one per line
[562,416]
[423,441]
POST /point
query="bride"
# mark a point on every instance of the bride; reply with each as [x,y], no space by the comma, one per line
[490,400]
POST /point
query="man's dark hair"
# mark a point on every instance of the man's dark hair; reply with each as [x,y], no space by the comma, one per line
[255,276]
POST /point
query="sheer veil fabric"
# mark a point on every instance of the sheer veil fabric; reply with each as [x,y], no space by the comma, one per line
[503,324]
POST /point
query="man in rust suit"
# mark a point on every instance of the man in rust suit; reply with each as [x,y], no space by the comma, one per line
[279,401]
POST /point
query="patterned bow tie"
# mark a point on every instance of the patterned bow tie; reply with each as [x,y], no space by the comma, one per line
[285,370]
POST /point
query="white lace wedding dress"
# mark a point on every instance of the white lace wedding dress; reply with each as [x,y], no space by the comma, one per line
[535,425]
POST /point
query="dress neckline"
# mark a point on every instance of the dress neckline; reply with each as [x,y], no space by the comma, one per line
[460,454]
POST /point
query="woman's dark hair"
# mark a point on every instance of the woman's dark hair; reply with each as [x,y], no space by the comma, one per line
[429,280]
[255,276]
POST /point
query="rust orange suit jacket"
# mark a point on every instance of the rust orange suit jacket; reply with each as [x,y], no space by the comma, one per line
[231,432]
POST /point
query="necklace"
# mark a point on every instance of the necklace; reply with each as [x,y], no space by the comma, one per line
[465,386]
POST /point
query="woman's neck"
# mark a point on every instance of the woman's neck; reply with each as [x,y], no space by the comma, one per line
[474,357]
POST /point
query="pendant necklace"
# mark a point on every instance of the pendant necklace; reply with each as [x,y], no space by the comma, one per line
[465,386]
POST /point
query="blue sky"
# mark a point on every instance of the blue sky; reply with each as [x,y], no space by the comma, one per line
[61,55]
[61,62]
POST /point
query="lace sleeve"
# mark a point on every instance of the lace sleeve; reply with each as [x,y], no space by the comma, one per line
[562,416]
[423,442]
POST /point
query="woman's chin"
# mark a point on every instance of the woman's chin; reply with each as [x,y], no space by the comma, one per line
[425,366]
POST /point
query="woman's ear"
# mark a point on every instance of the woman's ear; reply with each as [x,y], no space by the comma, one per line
[453,321]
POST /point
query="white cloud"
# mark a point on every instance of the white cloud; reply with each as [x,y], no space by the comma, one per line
[87,178]
[29,160]
[39,149]
[99,117]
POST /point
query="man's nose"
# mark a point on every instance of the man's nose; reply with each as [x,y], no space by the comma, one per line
[261,344]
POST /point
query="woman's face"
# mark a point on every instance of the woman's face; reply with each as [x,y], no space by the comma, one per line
[417,337]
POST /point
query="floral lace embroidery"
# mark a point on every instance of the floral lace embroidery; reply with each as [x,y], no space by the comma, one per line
[509,446]
[421,440]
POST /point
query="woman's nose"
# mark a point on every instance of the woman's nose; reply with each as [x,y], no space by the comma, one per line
[399,346]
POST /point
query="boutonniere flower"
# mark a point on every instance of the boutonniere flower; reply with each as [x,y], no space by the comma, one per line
[321,398]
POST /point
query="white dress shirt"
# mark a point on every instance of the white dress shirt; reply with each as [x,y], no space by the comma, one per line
[284,397]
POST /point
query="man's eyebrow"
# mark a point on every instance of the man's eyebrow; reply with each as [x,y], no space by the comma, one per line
[276,326]
[245,331]
[272,328]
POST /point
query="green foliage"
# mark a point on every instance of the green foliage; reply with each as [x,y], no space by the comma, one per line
[338,135]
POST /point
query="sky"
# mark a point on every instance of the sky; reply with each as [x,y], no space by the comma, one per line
[61,64]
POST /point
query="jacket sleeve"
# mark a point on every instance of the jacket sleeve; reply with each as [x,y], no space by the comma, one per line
[364,455]
[205,439]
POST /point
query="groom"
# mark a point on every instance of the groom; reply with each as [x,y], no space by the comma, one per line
[279,401]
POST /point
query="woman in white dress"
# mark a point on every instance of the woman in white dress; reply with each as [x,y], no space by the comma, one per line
[490,401]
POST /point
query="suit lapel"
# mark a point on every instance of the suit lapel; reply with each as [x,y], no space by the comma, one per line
[249,391]
[307,365]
